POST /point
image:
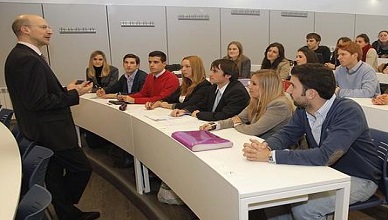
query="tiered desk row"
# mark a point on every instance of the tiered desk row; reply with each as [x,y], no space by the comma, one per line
[11,172]
[218,184]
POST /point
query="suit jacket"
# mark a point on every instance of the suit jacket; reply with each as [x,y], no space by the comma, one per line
[41,104]
[197,95]
[106,81]
[122,86]
[234,99]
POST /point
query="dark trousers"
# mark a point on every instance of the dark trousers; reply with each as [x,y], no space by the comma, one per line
[68,173]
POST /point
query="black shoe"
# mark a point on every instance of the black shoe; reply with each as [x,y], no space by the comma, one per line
[89,216]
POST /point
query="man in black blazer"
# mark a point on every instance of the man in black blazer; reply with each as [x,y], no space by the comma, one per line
[131,81]
[42,110]
[232,95]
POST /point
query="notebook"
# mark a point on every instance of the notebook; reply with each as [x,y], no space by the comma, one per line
[201,140]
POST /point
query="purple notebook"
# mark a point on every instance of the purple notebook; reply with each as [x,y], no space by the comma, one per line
[201,140]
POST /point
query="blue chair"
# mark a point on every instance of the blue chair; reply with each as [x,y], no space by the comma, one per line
[380,139]
[16,133]
[25,146]
[33,204]
[5,116]
[35,166]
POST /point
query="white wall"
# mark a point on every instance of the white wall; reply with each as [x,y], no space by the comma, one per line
[254,32]
[374,7]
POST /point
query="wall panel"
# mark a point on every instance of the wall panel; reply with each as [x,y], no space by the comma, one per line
[193,37]
[8,12]
[69,52]
[129,32]
[251,30]
[370,25]
[332,26]
[290,31]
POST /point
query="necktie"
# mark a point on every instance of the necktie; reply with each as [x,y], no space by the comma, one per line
[45,59]
[217,100]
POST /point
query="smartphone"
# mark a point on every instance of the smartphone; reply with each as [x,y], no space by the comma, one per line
[114,102]
[79,81]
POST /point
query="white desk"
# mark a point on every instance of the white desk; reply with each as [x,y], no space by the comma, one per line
[222,184]
[382,60]
[383,78]
[376,115]
[11,173]
[218,184]
[104,119]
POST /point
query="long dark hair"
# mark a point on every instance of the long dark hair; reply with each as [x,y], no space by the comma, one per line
[266,64]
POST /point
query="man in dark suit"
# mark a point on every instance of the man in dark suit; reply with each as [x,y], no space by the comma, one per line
[131,81]
[227,96]
[42,109]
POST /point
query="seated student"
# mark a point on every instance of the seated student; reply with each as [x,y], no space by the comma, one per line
[383,68]
[338,135]
[100,72]
[380,99]
[381,45]
[305,55]
[369,54]
[274,59]
[158,85]
[226,97]
[235,53]
[334,62]
[131,81]
[354,77]
[323,53]
[194,86]
[269,109]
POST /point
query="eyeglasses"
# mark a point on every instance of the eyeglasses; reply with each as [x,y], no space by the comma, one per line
[44,27]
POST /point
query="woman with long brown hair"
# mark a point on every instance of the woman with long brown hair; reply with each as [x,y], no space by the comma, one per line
[193,89]
[235,53]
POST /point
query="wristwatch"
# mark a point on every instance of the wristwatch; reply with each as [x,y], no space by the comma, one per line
[270,158]
[213,126]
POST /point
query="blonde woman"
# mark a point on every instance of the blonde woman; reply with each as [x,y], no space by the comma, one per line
[194,86]
[100,72]
[235,53]
[269,109]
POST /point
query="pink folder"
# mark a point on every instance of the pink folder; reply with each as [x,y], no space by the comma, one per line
[201,140]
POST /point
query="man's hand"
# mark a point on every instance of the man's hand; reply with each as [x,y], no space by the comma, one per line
[256,151]
[82,88]
[153,105]
[380,99]
[125,98]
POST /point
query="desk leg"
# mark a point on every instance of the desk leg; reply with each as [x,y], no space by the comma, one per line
[138,177]
[244,211]
[146,179]
[78,135]
[342,203]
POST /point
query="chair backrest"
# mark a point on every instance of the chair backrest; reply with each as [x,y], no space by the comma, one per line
[380,139]
[5,116]
[17,134]
[33,204]
[35,166]
[25,146]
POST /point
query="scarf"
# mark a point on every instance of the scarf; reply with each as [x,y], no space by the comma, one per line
[365,51]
